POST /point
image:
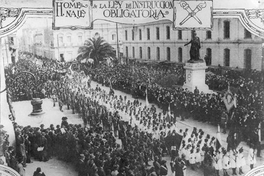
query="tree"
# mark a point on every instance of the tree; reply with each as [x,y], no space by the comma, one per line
[97,49]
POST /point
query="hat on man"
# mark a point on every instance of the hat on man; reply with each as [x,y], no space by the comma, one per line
[64,118]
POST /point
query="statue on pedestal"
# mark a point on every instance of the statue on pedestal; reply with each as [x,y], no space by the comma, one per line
[195,48]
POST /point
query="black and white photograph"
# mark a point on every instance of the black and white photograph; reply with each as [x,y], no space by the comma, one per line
[131,87]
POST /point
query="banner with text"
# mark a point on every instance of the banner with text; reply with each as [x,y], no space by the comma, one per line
[72,14]
[133,12]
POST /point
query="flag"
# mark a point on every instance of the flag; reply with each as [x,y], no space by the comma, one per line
[229,99]
[147,102]
[69,73]
[235,101]
[218,134]
[111,92]
[168,114]
[169,110]
[110,82]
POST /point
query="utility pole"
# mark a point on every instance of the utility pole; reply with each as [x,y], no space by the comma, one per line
[58,48]
[117,43]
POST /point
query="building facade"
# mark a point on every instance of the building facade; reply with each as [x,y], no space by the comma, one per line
[227,44]
[65,42]
[8,48]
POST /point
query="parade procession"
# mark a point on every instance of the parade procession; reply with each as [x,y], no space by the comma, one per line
[131,88]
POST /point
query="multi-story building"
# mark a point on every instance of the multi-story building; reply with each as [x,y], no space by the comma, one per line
[227,44]
[65,42]
[9,49]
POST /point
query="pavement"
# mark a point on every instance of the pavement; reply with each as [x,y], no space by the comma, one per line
[53,115]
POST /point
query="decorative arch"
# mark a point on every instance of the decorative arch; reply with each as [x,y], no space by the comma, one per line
[251,19]
[20,15]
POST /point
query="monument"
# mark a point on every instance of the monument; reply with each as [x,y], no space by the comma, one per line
[195,68]
[37,109]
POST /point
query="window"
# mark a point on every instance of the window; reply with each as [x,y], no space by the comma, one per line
[126,34]
[247,34]
[140,34]
[126,51]
[157,33]
[133,34]
[168,54]
[158,53]
[113,36]
[180,54]
[140,52]
[80,39]
[226,29]
[167,32]
[208,56]
[208,35]
[133,51]
[68,39]
[180,34]
[227,57]
[148,34]
[247,57]
[60,41]
[148,52]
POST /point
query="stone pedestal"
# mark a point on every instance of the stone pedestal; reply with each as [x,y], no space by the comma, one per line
[37,109]
[195,77]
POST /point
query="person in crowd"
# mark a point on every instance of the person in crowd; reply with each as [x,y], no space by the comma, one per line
[60,104]
[54,99]
[20,146]
[64,123]
[196,90]
[241,161]
[251,156]
[38,172]
[163,168]
[233,161]
[81,166]
[226,162]
[218,161]
[20,168]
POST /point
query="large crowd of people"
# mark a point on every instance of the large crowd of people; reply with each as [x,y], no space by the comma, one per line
[210,108]
[145,134]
